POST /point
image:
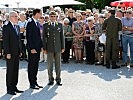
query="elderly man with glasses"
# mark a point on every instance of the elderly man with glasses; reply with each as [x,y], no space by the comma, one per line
[127,37]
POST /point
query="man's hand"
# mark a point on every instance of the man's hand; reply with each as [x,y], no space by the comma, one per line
[62,50]
[33,51]
[8,56]
[22,29]
[20,55]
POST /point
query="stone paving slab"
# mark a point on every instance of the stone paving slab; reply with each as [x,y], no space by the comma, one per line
[80,82]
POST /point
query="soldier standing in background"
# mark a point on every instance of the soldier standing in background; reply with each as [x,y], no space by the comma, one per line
[112,26]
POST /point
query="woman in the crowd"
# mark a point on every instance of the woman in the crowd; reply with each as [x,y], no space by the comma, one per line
[43,57]
[46,18]
[78,31]
[90,41]
[22,24]
[68,40]
[1,38]
[71,17]
[96,15]
[99,52]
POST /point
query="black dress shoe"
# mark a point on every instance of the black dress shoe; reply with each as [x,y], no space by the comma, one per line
[58,83]
[63,62]
[103,64]
[115,66]
[18,91]
[87,62]
[34,87]
[107,65]
[11,92]
[50,83]
[39,86]
[131,65]
[67,61]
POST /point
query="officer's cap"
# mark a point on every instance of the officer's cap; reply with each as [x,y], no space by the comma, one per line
[52,13]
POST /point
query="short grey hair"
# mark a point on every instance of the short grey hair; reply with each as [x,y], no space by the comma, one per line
[66,20]
[12,13]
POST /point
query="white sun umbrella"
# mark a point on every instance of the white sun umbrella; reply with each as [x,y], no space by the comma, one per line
[38,3]
[22,3]
[60,2]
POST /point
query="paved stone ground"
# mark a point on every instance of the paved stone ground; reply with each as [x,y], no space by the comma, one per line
[80,82]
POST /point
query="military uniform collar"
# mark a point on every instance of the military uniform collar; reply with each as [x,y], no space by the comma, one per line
[55,23]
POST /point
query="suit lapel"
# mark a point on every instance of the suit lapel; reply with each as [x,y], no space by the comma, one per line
[35,24]
[12,29]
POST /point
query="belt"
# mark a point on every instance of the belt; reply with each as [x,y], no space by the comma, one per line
[128,33]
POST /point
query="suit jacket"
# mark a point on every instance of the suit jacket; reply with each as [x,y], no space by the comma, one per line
[11,40]
[33,36]
[53,37]
[112,25]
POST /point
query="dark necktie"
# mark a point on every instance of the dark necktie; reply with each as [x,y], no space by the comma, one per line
[15,27]
[52,24]
[37,23]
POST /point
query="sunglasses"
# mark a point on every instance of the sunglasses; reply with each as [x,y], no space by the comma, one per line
[128,12]
[52,16]
[89,20]
[14,16]
[70,12]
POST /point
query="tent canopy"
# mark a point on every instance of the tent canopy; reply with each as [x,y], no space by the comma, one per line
[38,3]
[122,3]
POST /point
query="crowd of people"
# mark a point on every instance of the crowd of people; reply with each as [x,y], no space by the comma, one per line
[100,38]
[84,34]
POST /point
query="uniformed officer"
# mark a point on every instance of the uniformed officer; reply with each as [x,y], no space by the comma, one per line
[112,26]
[53,41]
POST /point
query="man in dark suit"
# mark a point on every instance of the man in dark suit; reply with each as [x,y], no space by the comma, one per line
[12,48]
[53,42]
[34,45]
[112,26]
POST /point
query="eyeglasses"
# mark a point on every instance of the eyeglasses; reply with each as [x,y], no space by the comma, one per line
[14,16]
[128,12]
[70,12]
[52,16]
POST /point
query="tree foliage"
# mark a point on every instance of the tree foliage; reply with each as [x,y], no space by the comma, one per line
[99,4]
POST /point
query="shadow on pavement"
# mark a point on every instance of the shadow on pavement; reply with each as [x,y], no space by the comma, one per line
[6,97]
[100,71]
[47,93]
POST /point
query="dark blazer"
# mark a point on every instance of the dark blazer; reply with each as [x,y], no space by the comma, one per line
[33,36]
[11,40]
[53,37]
